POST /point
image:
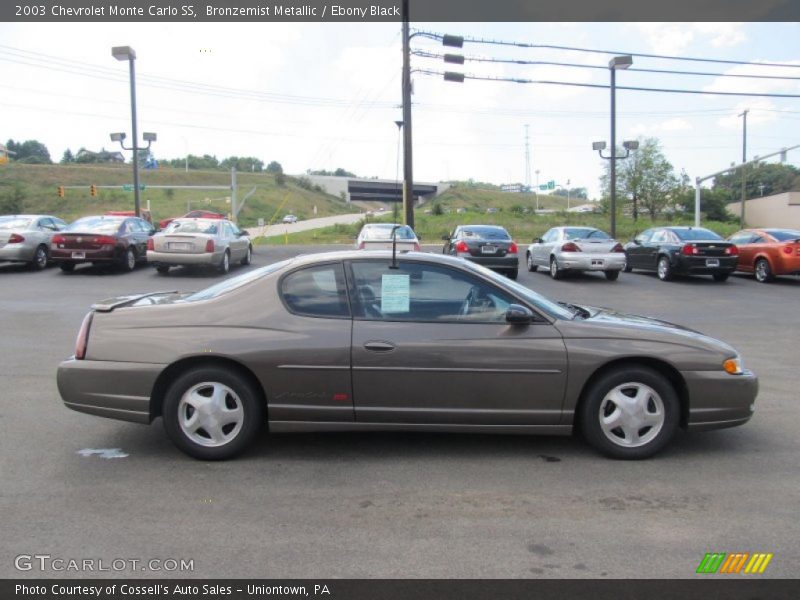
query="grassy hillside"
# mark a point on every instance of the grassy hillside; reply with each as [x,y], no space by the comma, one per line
[37,185]
[479,199]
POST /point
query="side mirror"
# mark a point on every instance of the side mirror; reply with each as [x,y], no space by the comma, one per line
[538,241]
[446,238]
[518,315]
[637,241]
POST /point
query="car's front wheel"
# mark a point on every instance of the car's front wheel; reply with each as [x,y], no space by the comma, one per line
[531,266]
[630,413]
[212,413]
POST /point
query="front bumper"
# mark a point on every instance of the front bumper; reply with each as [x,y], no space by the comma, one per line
[718,400]
[584,261]
[178,258]
[16,253]
[118,390]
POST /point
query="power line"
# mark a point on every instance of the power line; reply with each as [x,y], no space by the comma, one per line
[425,54]
[473,40]
[619,87]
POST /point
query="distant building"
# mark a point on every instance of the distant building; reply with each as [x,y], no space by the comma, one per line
[778,210]
[4,154]
[104,156]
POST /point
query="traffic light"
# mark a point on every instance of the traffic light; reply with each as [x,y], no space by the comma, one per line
[93,190]
[61,191]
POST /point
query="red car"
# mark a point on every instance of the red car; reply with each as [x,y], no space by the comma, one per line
[768,252]
[102,239]
[195,214]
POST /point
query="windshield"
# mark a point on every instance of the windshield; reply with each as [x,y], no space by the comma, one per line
[576,233]
[14,222]
[96,224]
[223,287]
[199,226]
[384,232]
[496,233]
[544,304]
[697,233]
[782,235]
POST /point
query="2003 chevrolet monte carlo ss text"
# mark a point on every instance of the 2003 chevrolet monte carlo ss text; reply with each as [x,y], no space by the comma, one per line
[354,341]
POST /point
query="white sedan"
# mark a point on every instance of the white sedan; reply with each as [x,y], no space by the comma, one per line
[564,249]
[378,236]
[290,219]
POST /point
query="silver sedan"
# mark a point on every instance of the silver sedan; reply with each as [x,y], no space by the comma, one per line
[197,242]
[26,238]
[564,249]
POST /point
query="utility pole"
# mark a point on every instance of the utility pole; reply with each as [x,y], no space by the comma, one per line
[233,194]
[408,174]
[744,160]
[527,162]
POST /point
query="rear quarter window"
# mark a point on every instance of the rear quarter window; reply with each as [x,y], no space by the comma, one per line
[317,291]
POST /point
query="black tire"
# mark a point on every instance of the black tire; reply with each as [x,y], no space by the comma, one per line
[40,258]
[225,264]
[162,269]
[763,271]
[628,268]
[664,268]
[555,272]
[67,267]
[513,274]
[245,395]
[612,275]
[721,277]
[128,260]
[248,257]
[529,260]
[629,379]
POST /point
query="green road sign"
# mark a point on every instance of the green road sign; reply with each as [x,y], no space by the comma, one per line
[128,187]
[551,185]
[543,187]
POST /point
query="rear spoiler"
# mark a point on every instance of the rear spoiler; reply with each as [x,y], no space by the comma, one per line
[111,303]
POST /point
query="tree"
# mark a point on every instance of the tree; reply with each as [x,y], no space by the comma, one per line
[12,201]
[67,157]
[30,151]
[775,178]
[646,177]
[274,167]
[713,203]
[243,163]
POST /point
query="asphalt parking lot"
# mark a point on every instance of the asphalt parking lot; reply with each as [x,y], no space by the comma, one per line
[398,505]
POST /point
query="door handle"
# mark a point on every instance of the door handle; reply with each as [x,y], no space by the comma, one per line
[379,346]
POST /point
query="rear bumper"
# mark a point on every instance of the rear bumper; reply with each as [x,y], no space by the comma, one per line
[718,400]
[178,258]
[582,261]
[90,256]
[500,263]
[698,266]
[117,390]
[16,253]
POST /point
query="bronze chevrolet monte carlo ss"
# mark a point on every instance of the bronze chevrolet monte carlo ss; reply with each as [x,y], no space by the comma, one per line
[355,341]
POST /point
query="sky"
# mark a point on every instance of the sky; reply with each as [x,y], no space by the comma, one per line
[327,95]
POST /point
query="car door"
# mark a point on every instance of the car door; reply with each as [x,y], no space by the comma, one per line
[650,248]
[238,242]
[540,249]
[636,249]
[421,355]
[744,241]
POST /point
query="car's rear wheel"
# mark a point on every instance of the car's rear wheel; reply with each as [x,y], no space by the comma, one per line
[664,269]
[531,267]
[128,263]
[212,413]
[163,269]
[248,257]
[225,263]
[628,268]
[630,413]
[67,267]
[612,275]
[555,271]
[513,274]
[721,276]
[40,258]
[763,271]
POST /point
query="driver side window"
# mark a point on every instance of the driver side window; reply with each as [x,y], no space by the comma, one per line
[424,293]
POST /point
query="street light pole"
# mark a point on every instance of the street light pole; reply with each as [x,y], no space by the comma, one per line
[408,174]
[128,53]
[618,62]
[536,193]
[744,160]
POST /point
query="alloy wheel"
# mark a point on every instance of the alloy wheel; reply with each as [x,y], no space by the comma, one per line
[210,414]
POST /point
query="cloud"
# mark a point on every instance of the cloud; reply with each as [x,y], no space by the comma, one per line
[668,126]
[674,38]
[761,110]
[757,85]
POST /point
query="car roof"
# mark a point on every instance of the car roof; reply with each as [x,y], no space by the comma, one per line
[340,255]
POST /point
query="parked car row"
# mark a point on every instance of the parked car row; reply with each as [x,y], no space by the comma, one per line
[122,241]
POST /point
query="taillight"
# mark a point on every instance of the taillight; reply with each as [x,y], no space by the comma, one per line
[59,239]
[618,248]
[461,246]
[15,238]
[210,246]
[361,245]
[83,336]
[787,250]
[416,246]
[512,249]
[732,250]
[105,240]
[150,244]
[570,247]
[689,250]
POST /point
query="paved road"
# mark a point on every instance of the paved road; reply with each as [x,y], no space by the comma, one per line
[281,228]
[398,505]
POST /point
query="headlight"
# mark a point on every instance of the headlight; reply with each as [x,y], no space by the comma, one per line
[733,366]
